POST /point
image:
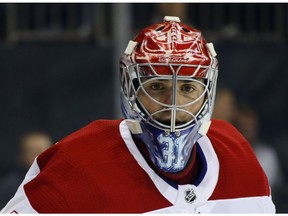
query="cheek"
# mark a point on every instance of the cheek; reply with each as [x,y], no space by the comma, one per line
[194,108]
[150,105]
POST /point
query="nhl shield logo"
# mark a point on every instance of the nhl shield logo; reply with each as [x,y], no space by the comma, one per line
[190,195]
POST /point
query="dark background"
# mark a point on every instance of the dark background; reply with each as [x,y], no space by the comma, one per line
[57,68]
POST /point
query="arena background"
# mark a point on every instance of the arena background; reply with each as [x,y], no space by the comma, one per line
[59,64]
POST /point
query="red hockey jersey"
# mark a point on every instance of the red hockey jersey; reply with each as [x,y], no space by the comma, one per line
[99,169]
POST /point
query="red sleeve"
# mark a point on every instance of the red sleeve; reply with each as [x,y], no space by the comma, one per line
[57,175]
[240,172]
[59,188]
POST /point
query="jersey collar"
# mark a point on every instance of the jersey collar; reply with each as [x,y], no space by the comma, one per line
[186,196]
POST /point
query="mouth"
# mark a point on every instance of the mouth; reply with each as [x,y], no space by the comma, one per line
[168,122]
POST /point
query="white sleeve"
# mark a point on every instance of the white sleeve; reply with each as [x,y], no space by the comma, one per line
[20,203]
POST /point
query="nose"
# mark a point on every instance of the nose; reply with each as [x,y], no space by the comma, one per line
[168,99]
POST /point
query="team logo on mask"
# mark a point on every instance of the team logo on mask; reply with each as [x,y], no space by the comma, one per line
[190,195]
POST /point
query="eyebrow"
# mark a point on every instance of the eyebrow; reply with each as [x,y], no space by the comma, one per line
[194,80]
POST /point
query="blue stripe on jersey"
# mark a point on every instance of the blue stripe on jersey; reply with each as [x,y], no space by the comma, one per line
[204,165]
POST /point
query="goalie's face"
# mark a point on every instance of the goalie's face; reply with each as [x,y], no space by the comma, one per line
[172,103]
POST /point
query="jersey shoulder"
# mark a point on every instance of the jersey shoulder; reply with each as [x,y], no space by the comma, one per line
[83,145]
[78,173]
[240,172]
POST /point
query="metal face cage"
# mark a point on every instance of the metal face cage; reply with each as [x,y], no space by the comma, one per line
[137,78]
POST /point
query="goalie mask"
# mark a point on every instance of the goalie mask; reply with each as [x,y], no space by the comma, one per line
[168,83]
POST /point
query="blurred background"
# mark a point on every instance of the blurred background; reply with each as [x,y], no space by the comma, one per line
[59,71]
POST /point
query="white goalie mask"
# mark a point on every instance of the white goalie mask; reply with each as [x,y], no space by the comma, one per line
[168,83]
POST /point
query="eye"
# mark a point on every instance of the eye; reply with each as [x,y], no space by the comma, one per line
[156,86]
[188,88]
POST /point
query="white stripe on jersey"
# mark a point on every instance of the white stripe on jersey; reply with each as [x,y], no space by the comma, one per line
[20,203]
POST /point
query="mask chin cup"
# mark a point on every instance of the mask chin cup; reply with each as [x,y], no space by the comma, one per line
[169,151]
